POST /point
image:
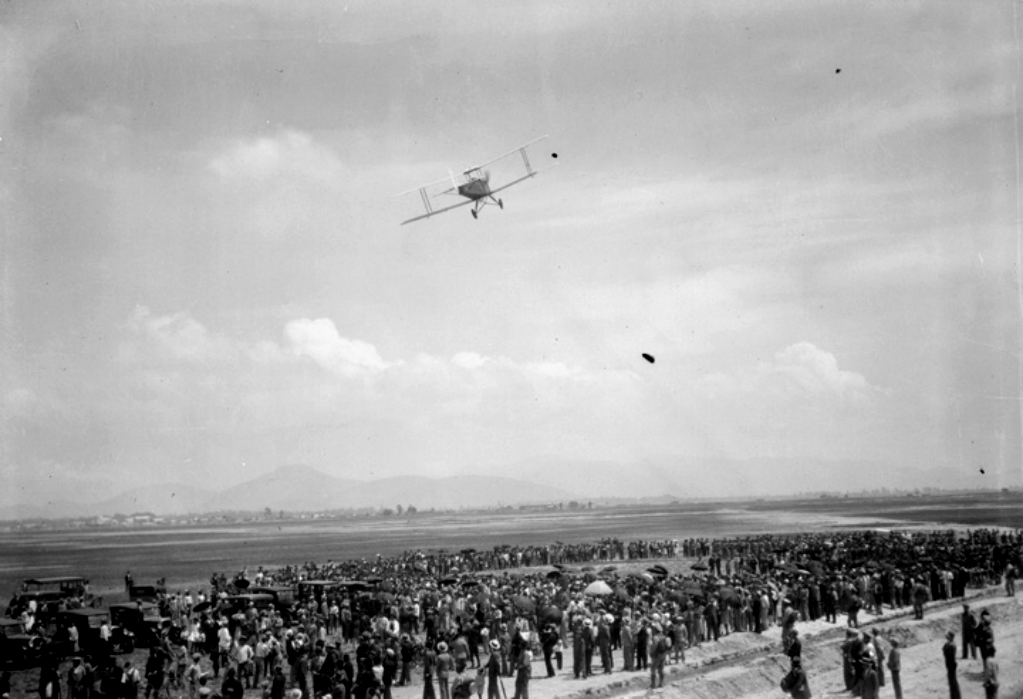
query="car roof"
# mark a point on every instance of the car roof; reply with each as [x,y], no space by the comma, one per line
[143,606]
[321,583]
[56,580]
[86,612]
[254,597]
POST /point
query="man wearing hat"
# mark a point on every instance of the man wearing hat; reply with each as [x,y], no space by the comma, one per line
[548,641]
[659,647]
[969,628]
[604,643]
[494,670]
[895,668]
[445,664]
[949,651]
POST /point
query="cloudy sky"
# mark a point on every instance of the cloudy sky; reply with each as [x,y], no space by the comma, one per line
[807,212]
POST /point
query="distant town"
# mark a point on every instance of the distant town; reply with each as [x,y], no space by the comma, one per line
[150,519]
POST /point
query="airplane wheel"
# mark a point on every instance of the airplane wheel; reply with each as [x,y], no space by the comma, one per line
[500,203]
[474,214]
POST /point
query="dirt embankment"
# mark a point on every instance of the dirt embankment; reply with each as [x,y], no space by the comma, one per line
[748,666]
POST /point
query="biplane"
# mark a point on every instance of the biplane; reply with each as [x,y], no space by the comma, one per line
[473,185]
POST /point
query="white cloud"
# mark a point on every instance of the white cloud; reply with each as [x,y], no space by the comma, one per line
[291,153]
[319,340]
[177,336]
[800,371]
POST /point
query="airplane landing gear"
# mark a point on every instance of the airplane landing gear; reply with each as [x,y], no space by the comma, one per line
[500,203]
[474,214]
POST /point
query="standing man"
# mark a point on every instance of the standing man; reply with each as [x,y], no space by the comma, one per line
[429,664]
[969,630]
[494,670]
[658,654]
[991,677]
[895,668]
[949,651]
[445,664]
[604,643]
[523,670]
[984,637]
[628,644]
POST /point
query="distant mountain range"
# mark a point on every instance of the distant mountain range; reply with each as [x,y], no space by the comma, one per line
[299,488]
[303,489]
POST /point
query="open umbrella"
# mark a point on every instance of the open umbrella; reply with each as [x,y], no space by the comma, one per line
[482,598]
[385,596]
[587,569]
[659,572]
[374,580]
[726,593]
[524,603]
[645,577]
[447,581]
[470,583]
[559,566]
[608,569]
[621,594]
[355,585]
[202,606]
[553,574]
[700,565]
[659,568]
[242,584]
[551,614]
[466,552]
[387,586]
[598,588]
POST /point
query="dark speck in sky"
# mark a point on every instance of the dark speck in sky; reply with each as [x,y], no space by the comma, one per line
[648,357]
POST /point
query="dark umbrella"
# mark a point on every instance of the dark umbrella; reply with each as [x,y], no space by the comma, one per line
[524,603]
[355,585]
[587,569]
[387,586]
[202,606]
[470,583]
[559,566]
[374,580]
[726,593]
[447,581]
[662,569]
[608,569]
[621,594]
[242,584]
[385,597]
[482,598]
[466,552]
[553,574]
[551,614]
[700,566]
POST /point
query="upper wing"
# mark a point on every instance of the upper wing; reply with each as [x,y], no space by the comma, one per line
[532,173]
[521,149]
[434,212]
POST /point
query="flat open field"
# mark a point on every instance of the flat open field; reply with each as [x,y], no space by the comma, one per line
[188,555]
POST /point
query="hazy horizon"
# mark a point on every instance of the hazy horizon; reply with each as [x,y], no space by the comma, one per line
[807,213]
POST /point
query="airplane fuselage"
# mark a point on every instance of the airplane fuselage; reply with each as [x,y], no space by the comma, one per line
[474,189]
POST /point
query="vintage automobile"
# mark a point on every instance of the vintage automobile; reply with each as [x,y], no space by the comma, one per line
[146,593]
[142,619]
[50,595]
[20,649]
[89,623]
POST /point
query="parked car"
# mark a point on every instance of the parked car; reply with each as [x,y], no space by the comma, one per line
[142,619]
[89,623]
[21,649]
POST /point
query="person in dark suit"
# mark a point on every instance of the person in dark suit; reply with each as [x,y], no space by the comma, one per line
[949,651]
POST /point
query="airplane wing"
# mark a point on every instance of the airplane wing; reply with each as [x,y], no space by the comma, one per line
[532,173]
[434,212]
[521,149]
